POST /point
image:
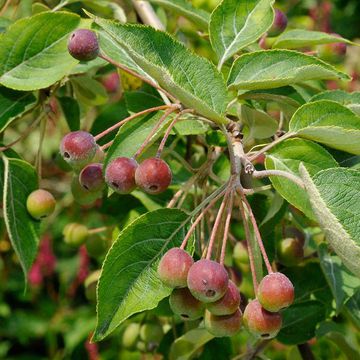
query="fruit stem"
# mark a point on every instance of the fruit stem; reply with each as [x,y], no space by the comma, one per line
[97,230]
[131,117]
[266,173]
[217,221]
[203,212]
[257,234]
[142,78]
[168,130]
[170,110]
[227,227]
[107,145]
[249,249]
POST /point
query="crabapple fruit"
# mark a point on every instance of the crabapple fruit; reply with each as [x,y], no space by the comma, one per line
[120,175]
[207,280]
[40,204]
[174,267]
[290,252]
[131,335]
[83,45]
[228,303]
[275,292]
[153,176]
[185,305]
[75,234]
[227,325]
[91,177]
[78,148]
[261,322]
[279,24]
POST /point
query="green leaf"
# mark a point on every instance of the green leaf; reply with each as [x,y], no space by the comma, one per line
[190,125]
[188,77]
[351,100]
[34,58]
[300,321]
[71,110]
[129,282]
[184,8]
[275,68]
[329,123]
[343,284]
[260,124]
[184,347]
[353,308]
[132,134]
[235,24]
[13,104]
[89,91]
[300,38]
[335,198]
[20,180]
[287,156]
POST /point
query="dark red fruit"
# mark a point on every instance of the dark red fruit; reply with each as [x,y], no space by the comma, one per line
[91,177]
[279,24]
[174,267]
[40,204]
[153,175]
[261,322]
[120,175]
[78,148]
[334,52]
[220,326]
[111,82]
[83,45]
[275,292]
[290,251]
[185,305]
[207,280]
[228,304]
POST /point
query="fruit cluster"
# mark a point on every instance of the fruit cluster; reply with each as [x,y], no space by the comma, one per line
[203,289]
[123,174]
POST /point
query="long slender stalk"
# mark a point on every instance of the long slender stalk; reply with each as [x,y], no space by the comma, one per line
[147,14]
[226,228]
[257,234]
[131,117]
[107,145]
[38,161]
[154,130]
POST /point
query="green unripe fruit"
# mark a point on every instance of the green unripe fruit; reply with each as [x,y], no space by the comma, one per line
[131,336]
[96,246]
[220,326]
[185,305]
[290,252]
[260,322]
[151,333]
[333,53]
[90,285]
[75,234]
[275,292]
[240,254]
[40,204]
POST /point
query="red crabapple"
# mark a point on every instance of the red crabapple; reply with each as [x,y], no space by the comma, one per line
[83,45]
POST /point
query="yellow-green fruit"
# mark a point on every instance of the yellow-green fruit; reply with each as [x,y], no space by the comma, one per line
[40,204]
[290,251]
[90,285]
[131,336]
[75,234]
[241,256]
[151,333]
[96,246]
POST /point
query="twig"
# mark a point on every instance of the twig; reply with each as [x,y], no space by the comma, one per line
[131,117]
[266,173]
[147,14]
[38,159]
[4,7]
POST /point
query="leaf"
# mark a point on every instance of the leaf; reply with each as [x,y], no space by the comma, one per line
[287,156]
[275,68]
[353,308]
[129,282]
[300,321]
[188,77]
[34,58]
[235,24]
[20,180]
[299,38]
[184,8]
[343,284]
[184,347]
[190,126]
[351,100]
[329,123]
[71,110]
[89,91]
[260,124]
[13,104]
[335,197]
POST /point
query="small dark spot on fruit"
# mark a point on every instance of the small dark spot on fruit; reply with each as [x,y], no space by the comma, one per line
[86,187]
[210,293]
[114,184]
[153,188]
[66,155]
[265,335]
[185,316]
